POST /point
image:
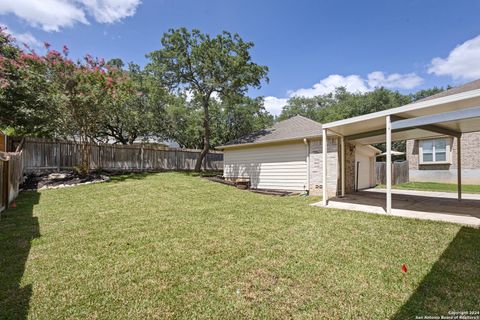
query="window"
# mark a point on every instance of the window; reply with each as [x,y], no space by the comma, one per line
[434,151]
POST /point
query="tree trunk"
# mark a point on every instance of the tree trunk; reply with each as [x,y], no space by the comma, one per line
[206,137]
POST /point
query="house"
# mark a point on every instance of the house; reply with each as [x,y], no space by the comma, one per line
[442,122]
[288,156]
[435,159]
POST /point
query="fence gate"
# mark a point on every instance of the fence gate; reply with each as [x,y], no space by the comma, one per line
[399,172]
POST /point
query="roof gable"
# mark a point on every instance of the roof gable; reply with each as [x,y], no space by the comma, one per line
[473,85]
[297,127]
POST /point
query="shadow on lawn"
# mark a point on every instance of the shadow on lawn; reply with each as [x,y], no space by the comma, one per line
[121,177]
[18,228]
[453,283]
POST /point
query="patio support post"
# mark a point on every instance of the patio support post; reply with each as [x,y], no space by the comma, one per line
[459,167]
[324,167]
[342,165]
[389,164]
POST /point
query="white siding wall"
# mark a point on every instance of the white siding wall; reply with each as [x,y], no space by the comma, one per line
[282,167]
[366,174]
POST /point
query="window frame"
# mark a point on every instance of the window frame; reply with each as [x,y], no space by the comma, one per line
[448,150]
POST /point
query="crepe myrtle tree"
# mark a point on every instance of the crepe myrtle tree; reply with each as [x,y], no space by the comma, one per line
[76,91]
[204,65]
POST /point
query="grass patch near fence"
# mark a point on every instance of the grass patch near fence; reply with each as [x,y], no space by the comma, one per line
[171,245]
[434,186]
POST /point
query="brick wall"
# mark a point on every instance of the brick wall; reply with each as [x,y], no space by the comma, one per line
[470,154]
[447,172]
[316,167]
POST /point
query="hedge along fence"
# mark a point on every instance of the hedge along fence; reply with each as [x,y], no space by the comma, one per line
[11,175]
[45,155]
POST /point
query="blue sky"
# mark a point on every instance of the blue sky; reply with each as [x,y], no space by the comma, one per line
[309,46]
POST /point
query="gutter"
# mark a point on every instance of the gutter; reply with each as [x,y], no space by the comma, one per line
[267,142]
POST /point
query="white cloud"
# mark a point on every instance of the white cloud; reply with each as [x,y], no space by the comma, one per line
[352,83]
[28,39]
[24,38]
[110,11]
[463,62]
[274,105]
[394,80]
[52,15]
[355,83]
[189,95]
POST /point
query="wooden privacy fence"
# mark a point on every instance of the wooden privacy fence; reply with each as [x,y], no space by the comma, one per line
[399,172]
[11,175]
[42,155]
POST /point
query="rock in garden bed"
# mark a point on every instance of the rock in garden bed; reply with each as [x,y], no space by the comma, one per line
[42,181]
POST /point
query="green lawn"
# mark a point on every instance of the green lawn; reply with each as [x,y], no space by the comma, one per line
[435,186]
[172,245]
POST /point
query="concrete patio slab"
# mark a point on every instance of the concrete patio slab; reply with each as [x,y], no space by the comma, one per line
[425,205]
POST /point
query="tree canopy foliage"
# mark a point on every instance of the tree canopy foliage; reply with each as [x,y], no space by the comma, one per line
[205,66]
[342,104]
[193,91]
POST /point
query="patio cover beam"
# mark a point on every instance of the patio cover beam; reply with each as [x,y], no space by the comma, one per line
[430,120]
[430,127]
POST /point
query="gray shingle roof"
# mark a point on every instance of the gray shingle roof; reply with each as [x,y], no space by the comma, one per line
[297,127]
[473,85]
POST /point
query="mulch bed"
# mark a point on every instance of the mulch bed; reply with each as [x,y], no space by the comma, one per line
[221,180]
[62,179]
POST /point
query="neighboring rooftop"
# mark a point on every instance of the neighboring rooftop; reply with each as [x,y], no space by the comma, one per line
[297,127]
[473,85]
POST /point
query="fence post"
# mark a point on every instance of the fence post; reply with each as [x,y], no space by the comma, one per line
[176,160]
[141,158]
[6,183]
[58,155]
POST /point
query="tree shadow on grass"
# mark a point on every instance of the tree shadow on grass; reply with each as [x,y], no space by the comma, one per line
[18,227]
[122,177]
[453,283]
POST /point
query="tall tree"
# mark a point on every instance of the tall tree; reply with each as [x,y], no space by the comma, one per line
[136,106]
[206,65]
[239,116]
[342,104]
[427,93]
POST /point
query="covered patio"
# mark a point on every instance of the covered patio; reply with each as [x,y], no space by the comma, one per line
[450,113]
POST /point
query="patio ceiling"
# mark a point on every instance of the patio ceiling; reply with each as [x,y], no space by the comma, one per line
[446,115]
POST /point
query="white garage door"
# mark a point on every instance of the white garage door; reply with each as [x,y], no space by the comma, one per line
[280,167]
[363,164]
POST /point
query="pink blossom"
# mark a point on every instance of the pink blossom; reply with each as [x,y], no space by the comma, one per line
[3,83]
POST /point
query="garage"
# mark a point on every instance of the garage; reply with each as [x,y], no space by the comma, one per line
[286,157]
[278,167]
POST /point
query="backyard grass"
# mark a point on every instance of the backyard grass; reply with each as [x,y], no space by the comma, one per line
[435,186]
[172,245]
